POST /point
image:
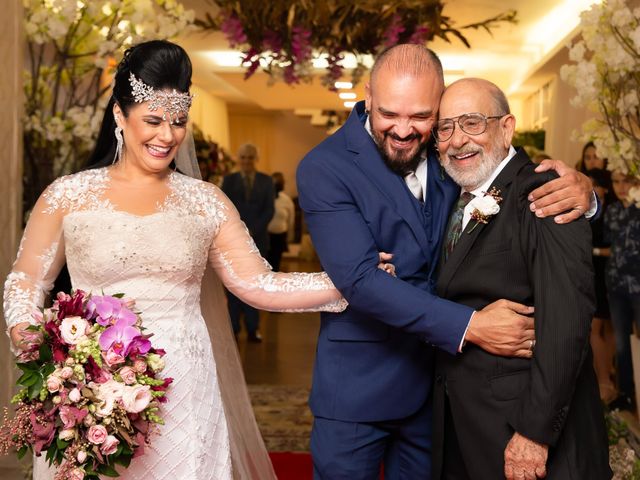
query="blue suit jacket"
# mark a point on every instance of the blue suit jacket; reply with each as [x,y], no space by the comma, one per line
[256,213]
[374,360]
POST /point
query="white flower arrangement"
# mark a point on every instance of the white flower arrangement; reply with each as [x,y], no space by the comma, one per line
[485,207]
[603,71]
[70,45]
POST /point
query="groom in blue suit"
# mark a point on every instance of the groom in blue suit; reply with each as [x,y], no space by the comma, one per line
[376,185]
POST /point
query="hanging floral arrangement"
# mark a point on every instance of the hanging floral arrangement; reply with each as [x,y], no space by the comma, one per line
[284,36]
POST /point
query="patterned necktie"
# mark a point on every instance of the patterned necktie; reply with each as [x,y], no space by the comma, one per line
[412,181]
[454,227]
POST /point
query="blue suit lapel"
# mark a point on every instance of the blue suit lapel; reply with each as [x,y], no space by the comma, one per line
[390,185]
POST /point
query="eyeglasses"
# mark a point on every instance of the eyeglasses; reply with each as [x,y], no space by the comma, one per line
[470,123]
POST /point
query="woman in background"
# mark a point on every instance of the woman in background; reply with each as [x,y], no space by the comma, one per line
[622,229]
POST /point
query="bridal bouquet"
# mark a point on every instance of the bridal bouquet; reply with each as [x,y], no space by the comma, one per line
[90,388]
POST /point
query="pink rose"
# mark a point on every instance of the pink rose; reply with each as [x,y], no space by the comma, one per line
[136,399]
[54,384]
[128,375]
[71,416]
[140,365]
[97,434]
[76,474]
[66,373]
[110,445]
[112,358]
[75,396]
[81,456]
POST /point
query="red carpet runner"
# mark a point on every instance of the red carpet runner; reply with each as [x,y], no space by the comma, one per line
[292,466]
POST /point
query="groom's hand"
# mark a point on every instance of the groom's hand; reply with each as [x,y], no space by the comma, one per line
[525,459]
[502,328]
[571,193]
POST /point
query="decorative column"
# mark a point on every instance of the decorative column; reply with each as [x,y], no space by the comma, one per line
[11,59]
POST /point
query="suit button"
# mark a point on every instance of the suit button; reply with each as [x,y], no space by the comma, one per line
[438,379]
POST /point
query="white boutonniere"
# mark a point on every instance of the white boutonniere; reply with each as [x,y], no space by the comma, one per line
[485,207]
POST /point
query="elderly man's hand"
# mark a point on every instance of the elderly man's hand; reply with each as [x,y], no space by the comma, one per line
[571,193]
[525,459]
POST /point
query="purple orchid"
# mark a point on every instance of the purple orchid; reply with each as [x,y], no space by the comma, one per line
[120,337]
[109,310]
[231,26]
[395,29]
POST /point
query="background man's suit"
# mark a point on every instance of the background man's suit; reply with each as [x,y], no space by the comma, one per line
[373,362]
[256,209]
[552,398]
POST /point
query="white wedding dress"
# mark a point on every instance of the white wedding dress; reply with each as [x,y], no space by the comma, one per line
[153,245]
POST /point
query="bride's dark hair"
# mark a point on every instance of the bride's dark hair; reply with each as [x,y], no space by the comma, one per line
[157,63]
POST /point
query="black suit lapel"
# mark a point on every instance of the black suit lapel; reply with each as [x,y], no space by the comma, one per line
[473,230]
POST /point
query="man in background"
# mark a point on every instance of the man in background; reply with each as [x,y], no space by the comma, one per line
[252,193]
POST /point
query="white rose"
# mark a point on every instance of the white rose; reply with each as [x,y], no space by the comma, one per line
[67,434]
[136,399]
[75,396]
[73,329]
[486,205]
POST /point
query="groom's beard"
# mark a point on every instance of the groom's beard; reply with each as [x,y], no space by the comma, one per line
[398,161]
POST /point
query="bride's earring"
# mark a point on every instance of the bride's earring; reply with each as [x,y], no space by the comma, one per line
[119,143]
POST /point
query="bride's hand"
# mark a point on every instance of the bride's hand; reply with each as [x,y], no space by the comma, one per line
[18,333]
[384,264]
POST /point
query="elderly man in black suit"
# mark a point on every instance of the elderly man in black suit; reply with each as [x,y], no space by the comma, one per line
[497,417]
[253,195]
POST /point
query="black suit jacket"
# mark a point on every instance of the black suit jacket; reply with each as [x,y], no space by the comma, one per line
[256,213]
[553,397]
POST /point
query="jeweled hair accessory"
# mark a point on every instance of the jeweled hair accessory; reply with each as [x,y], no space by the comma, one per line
[173,102]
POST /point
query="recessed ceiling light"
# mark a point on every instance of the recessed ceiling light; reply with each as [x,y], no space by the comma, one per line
[349,104]
[347,95]
[343,85]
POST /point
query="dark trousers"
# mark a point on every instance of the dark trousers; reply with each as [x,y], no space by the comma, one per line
[453,467]
[625,311]
[356,451]
[277,245]
[236,308]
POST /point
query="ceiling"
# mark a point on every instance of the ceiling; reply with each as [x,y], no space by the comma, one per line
[509,57]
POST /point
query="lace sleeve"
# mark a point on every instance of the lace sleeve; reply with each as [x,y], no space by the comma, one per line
[236,259]
[39,260]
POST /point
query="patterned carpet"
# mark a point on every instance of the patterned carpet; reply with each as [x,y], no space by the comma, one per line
[283,416]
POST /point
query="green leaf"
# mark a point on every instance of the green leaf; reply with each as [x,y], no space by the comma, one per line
[51,452]
[118,295]
[27,379]
[28,367]
[62,444]
[108,471]
[22,452]
[34,390]
[123,459]
[45,353]
[47,369]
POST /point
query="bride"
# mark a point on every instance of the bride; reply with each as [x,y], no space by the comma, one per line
[132,224]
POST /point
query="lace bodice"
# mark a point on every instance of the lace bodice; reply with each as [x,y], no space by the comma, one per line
[109,249]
